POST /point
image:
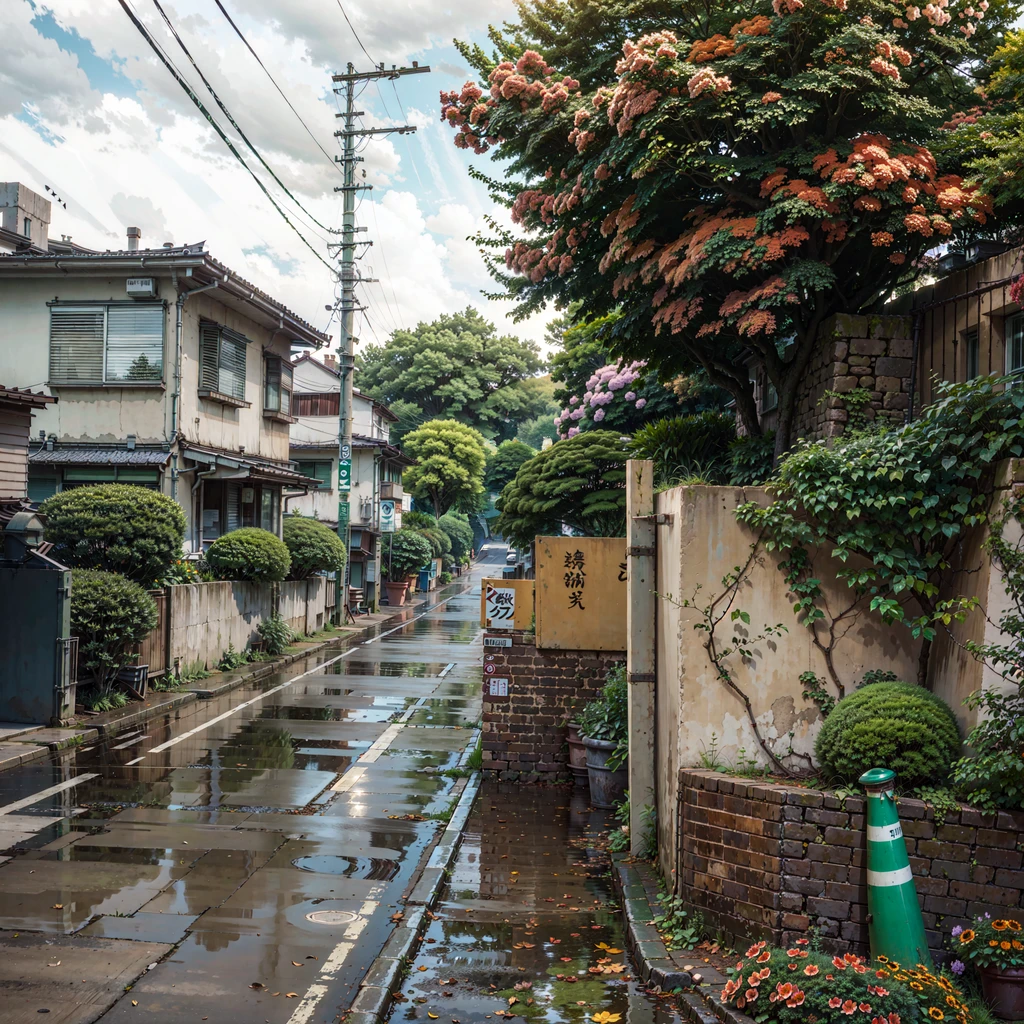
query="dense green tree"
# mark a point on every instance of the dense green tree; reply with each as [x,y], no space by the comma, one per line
[407,552]
[456,367]
[579,482]
[504,463]
[533,433]
[726,175]
[134,531]
[450,459]
[314,547]
[460,533]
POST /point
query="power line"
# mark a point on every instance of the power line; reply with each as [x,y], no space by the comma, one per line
[355,33]
[238,31]
[166,61]
[231,120]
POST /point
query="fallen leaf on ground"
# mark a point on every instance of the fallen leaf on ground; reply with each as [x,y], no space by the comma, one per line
[295,963]
[57,964]
[291,995]
[604,1017]
[432,1016]
[512,1000]
[135,1002]
[311,957]
[256,985]
[421,968]
[57,906]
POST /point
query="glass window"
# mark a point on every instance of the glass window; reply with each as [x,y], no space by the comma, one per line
[1015,344]
[28,228]
[222,360]
[92,345]
[320,470]
[277,394]
[973,354]
[270,508]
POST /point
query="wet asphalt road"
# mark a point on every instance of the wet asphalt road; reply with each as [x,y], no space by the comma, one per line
[528,927]
[261,839]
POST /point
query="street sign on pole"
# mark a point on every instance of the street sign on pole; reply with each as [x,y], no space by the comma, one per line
[387,516]
[343,514]
[344,474]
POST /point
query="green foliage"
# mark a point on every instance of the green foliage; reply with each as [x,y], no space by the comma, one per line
[891,725]
[133,531]
[751,458]
[445,577]
[418,520]
[901,500]
[110,615]
[460,533]
[313,546]
[277,634]
[579,482]
[109,701]
[249,554]
[407,552]
[679,928]
[607,717]
[504,463]
[682,114]
[456,367]
[992,776]
[181,571]
[475,761]
[450,459]
[439,542]
[232,659]
[814,690]
[941,799]
[686,445]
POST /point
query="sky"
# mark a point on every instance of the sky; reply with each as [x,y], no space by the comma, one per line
[87,109]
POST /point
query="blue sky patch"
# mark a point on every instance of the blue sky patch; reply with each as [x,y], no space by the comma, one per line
[104,76]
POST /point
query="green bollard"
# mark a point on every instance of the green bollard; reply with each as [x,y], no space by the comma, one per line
[895,926]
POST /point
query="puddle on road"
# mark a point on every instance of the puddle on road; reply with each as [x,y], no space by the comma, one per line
[379,868]
[527,927]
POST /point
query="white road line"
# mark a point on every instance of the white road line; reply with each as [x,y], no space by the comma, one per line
[446,670]
[432,608]
[332,966]
[28,801]
[245,704]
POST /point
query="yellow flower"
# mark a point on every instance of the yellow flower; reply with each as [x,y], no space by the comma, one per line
[1000,926]
[1014,926]
[935,1013]
[966,936]
[993,942]
[1004,945]
[882,959]
[917,986]
[1017,944]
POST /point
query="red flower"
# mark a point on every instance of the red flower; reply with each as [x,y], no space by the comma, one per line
[839,963]
[750,995]
[865,1007]
[792,952]
[811,970]
[803,942]
[894,1018]
[849,1007]
[756,948]
[792,967]
[765,957]
[834,1003]
[796,999]
[785,989]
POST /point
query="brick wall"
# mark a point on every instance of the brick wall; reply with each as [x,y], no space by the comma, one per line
[524,735]
[871,352]
[770,861]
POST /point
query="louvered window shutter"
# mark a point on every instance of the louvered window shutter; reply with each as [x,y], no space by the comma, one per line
[135,343]
[234,502]
[232,366]
[209,356]
[76,345]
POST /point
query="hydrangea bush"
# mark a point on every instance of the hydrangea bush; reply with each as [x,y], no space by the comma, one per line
[611,383]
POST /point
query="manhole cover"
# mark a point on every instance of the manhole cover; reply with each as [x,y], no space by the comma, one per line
[331,916]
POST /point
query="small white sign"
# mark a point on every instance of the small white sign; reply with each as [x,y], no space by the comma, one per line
[140,286]
[387,516]
[500,607]
[497,687]
[497,641]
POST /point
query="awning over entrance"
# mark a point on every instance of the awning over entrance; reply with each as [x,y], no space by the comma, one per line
[235,466]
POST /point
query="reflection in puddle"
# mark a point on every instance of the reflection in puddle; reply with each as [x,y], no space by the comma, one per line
[377,868]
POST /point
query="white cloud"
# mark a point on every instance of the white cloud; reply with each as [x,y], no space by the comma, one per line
[151,159]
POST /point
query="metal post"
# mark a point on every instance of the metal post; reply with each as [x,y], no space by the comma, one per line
[895,925]
[640,642]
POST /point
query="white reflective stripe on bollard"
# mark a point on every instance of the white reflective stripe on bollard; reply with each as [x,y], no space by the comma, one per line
[885,878]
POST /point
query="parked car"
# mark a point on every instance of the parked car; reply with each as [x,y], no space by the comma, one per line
[511,558]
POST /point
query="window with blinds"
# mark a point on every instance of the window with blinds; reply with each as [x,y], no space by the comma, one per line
[116,344]
[221,360]
[277,394]
[320,470]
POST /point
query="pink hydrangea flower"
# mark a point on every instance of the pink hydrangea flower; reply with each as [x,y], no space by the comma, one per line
[573,431]
[599,415]
[641,402]
[630,396]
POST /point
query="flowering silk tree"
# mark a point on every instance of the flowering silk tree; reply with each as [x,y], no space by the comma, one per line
[727,175]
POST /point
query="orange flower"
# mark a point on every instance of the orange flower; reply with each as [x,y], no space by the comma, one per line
[834,1003]
[811,970]
[771,97]
[999,926]
[966,936]
[1004,945]
[935,1013]
[849,1007]
[1014,926]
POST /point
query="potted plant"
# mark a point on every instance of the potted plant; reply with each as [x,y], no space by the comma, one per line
[407,551]
[577,752]
[995,948]
[604,729]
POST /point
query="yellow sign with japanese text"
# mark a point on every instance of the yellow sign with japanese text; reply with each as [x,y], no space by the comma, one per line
[581,593]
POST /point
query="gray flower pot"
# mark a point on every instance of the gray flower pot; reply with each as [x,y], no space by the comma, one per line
[606,786]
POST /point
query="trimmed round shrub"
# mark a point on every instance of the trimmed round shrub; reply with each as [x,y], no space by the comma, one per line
[109,615]
[133,531]
[893,725]
[460,533]
[407,552]
[438,540]
[249,554]
[314,547]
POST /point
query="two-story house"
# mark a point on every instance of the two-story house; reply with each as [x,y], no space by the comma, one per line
[172,372]
[377,464]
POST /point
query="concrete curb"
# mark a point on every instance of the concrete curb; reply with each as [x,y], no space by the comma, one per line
[376,991]
[653,962]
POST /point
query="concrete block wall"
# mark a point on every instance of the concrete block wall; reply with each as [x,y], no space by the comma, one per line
[769,861]
[870,352]
[524,735]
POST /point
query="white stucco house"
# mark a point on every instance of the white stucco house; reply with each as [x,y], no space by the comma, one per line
[171,371]
[377,464]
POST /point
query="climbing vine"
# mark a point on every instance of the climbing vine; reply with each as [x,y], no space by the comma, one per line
[893,509]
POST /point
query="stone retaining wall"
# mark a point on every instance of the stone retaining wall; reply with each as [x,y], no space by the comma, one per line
[770,861]
[524,735]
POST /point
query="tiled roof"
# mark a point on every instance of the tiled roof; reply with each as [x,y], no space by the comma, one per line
[154,257]
[22,396]
[75,455]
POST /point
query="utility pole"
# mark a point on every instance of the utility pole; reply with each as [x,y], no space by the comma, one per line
[349,278]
